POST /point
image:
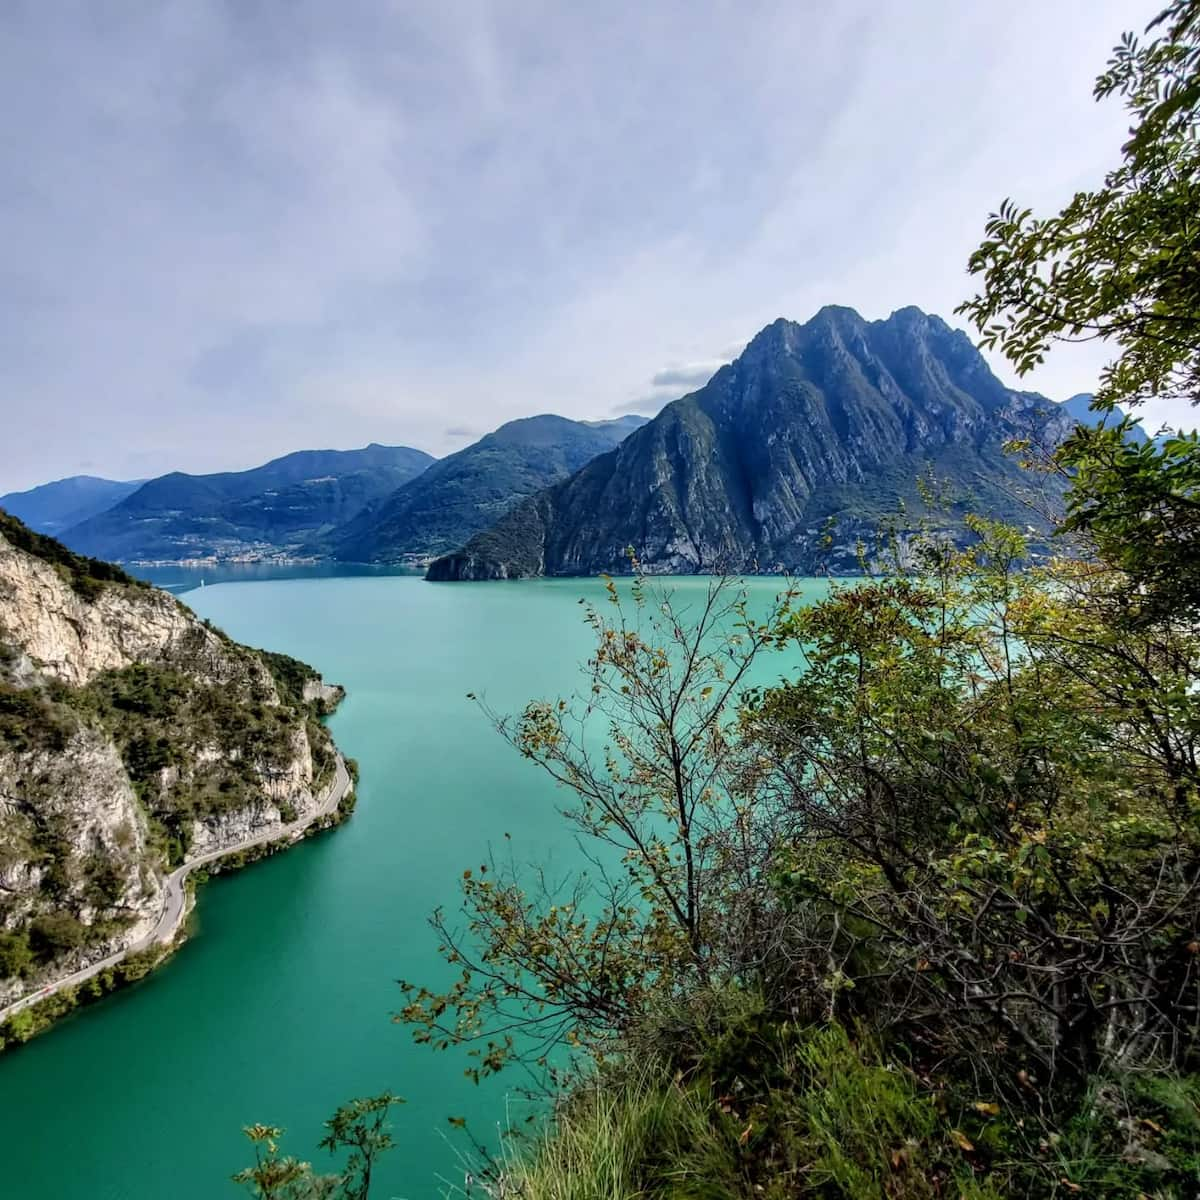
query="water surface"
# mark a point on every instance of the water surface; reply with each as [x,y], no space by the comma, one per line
[278,1009]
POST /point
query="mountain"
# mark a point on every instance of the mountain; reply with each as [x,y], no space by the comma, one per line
[133,736]
[467,491]
[275,509]
[834,420]
[53,507]
[1079,407]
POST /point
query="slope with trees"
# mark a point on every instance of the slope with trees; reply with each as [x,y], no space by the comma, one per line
[467,491]
[276,509]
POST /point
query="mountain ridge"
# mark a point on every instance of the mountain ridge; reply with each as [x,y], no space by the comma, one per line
[835,418]
[274,509]
[60,503]
[466,491]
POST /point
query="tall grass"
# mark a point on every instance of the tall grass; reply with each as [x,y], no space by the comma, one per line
[832,1122]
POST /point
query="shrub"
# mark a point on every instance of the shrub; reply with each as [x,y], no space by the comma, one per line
[16,958]
[55,933]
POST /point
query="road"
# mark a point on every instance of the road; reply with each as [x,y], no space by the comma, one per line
[175,893]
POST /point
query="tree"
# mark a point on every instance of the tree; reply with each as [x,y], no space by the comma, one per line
[1118,263]
[675,847]
[1121,263]
[994,790]
[360,1127]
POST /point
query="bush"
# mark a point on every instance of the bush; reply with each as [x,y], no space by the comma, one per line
[28,721]
[16,958]
[55,933]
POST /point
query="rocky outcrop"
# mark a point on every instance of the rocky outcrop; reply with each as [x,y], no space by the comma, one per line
[133,736]
[816,435]
[73,638]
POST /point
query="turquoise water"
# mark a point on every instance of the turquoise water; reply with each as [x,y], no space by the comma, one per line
[278,1009]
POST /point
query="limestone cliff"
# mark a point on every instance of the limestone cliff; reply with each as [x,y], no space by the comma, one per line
[133,736]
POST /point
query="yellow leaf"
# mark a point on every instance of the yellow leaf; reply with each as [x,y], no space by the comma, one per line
[988,1109]
[964,1142]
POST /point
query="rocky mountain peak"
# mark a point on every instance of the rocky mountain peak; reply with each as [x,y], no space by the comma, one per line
[834,418]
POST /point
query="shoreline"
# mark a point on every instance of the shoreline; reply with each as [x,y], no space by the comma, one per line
[109,974]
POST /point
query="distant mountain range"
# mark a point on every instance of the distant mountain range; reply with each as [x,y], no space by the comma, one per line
[53,507]
[785,459]
[466,492]
[279,508]
[378,504]
[1080,408]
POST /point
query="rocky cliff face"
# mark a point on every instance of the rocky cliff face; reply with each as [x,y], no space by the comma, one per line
[73,637]
[815,435]
[132,736]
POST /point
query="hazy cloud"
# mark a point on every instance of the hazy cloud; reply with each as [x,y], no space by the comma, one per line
[232,230]
[463,431]
[645,406]
[689,376]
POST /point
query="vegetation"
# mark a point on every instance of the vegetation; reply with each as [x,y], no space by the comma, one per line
[290,674]
[1118,264]
[359,1128]
[38,1017]
[924,919]
[194,742]
[87,576]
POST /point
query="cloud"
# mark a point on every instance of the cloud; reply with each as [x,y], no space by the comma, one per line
[462,431]
[670,382]
[688,376]
[233,230]
[645,406]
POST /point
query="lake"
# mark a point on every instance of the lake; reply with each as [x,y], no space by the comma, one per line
[279,1007]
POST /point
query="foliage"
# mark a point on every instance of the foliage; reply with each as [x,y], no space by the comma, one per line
[1138,506]
[30,722]
[757,1107]
[55,933]
[673,852]
[359,1127]
[995,786]
[290,675]
[16,958]
[87,576]
[1118,264]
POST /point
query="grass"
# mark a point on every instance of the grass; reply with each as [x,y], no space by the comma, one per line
[749,1108]
[812,1113]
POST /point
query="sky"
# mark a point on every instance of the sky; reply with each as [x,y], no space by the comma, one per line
[233,229]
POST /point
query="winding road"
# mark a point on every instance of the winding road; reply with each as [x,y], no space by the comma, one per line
[175,894]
